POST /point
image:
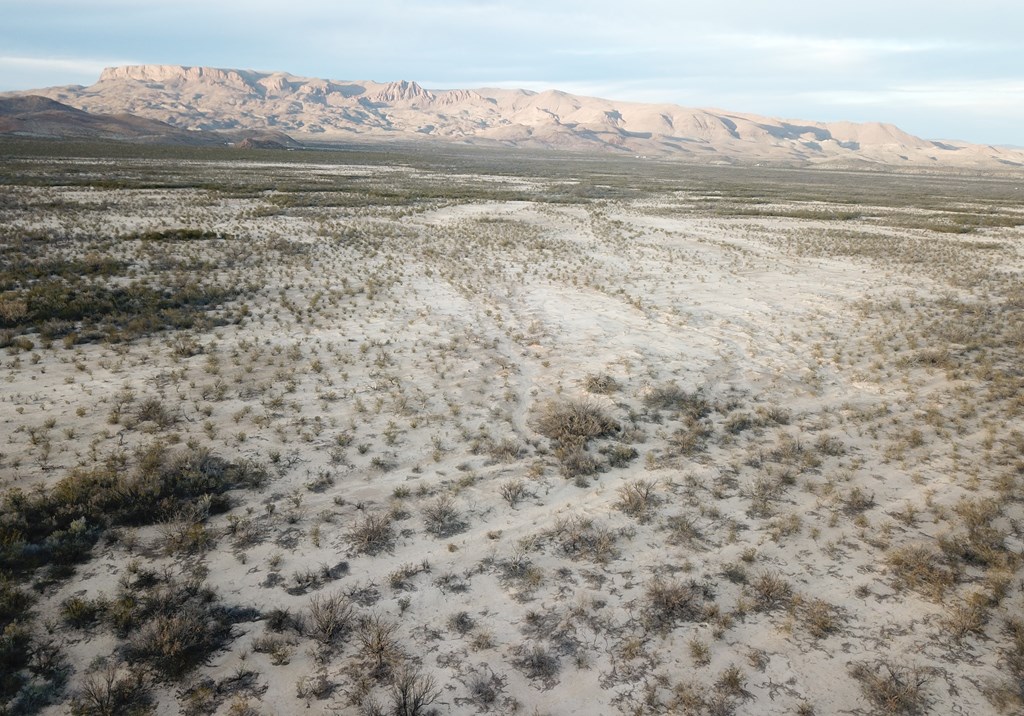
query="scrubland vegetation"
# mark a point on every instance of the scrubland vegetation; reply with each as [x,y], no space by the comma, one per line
[371,433]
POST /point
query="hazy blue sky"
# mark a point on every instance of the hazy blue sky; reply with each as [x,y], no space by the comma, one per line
[951,70]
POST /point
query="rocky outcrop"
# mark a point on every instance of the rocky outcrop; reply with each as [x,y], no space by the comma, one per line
[204,98]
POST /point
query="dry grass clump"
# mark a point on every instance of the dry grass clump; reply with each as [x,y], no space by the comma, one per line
[922,568]
[575,462]
[513,491]
[575,422]
[668,603]
[505,450]
[601,384]
[771,590]
[580,538]
[113,689]
[442,518]
[692,437]
[891,688]
[980,542]
[638,498]
[1008,693]
[61,526]
[330,618]
[538,663]
[684,403]
[171,625]
[372,534]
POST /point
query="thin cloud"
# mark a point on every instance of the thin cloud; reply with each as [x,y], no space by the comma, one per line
[34,72]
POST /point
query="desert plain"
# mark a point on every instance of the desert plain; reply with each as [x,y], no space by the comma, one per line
[409,431]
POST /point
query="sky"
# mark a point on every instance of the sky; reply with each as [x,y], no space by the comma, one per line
[950,70]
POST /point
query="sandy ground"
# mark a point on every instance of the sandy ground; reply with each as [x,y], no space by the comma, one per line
[403,356]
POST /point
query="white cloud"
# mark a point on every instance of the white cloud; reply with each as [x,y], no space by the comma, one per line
[37,72]
[977,96]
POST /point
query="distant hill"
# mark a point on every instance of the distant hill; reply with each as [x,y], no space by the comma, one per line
[38,116]
[209,99]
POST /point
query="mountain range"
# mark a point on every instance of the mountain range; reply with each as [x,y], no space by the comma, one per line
[199,104]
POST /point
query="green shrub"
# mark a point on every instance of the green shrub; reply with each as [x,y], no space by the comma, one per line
[60,527]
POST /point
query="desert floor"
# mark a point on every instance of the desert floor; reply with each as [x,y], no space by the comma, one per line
[368,433]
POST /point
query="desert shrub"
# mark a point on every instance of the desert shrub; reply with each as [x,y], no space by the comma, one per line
[739,421]
[372,534]
[505,450]
[180,234]
[820,618]
[112,312]
[412,692]
[310,578]
[442,518]
[330,618]
[174,644]
[689,404]
[619,455]
[174,626]
[484,689]
[113,690]
[681,529]
[461,622]
[314,686]
[512,491]
[14,602]
[773,414]
[60,526]
[79,612]
[830,445]
[601,384]
[980,541]
[771,590]
[891,688]
[15,653]
[204,696]
[279,620]
[857,501]
[538,663]
[379,645]
[575,462]
[691,438]
[731,682]
[579,538]
[920,568]
[153,409]
[637,498]
[666,604]
[278,647]
[967,617]
[575,422]
[1008,693]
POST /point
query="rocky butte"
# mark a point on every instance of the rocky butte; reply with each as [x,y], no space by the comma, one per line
[203,98]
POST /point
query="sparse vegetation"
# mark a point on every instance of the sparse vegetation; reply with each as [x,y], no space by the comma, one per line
[248,445]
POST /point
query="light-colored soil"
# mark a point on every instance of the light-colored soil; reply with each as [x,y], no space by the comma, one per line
[858,380]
